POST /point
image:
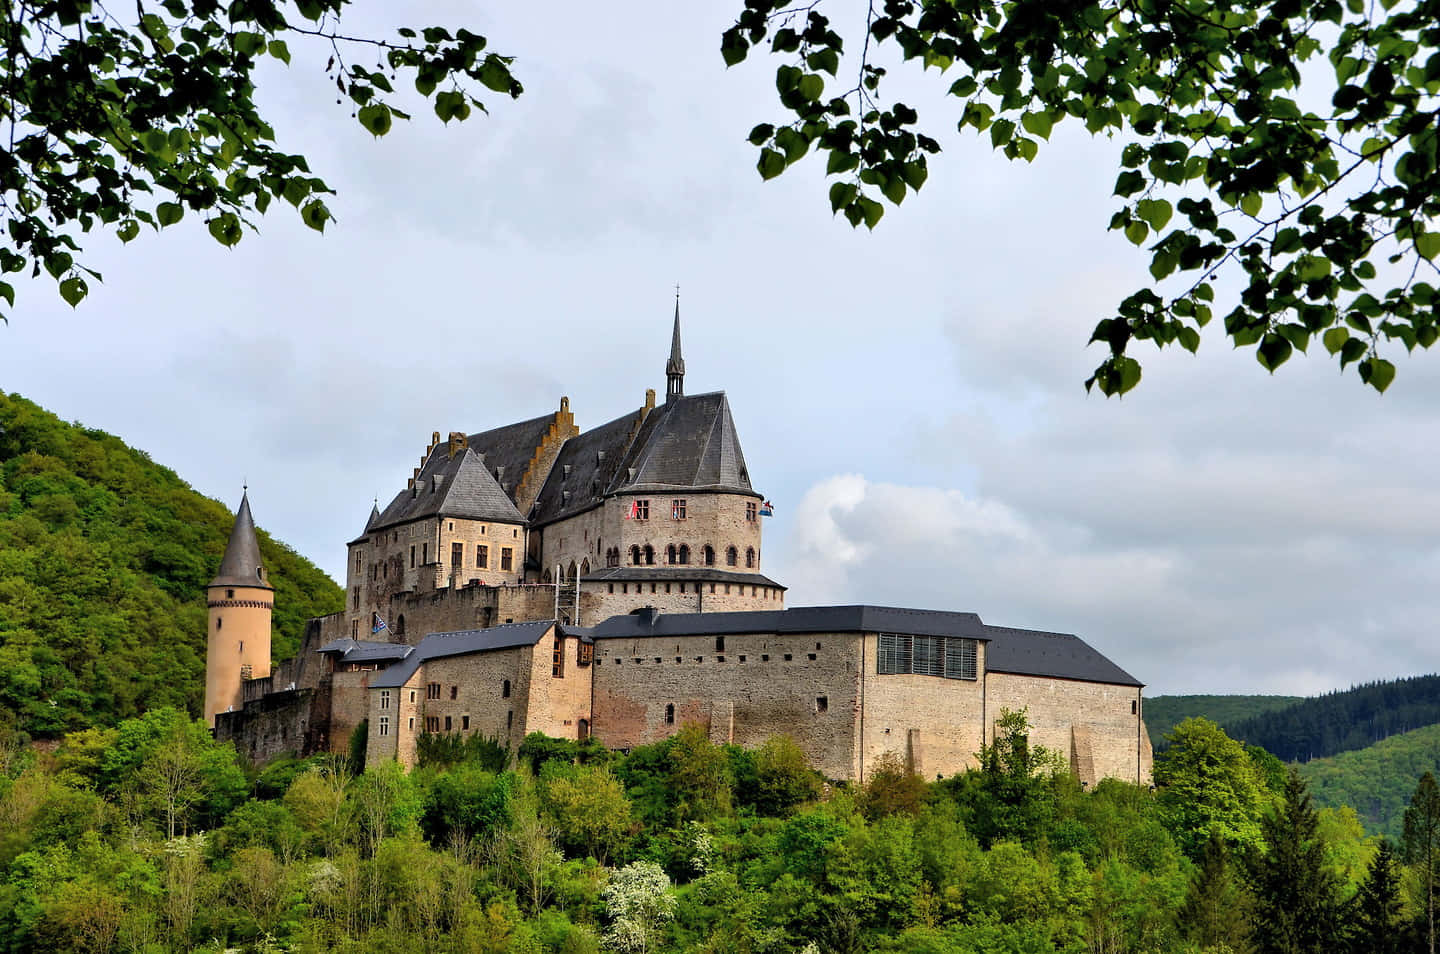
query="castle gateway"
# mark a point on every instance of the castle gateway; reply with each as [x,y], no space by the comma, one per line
[535,577]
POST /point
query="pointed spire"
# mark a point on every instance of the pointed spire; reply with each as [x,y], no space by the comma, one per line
[374,515]
[241,565]
[675,367]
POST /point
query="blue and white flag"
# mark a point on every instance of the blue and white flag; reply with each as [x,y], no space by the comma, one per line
[767,509]
[376,623]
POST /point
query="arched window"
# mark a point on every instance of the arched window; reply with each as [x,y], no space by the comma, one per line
[670,714]
[400,625]
[571,574]
[732,556]
[750,557]
[684,553]
[635,555]
[671,554]
[505,689]
[545,577]
[709,555]
[585,568]
[649,555]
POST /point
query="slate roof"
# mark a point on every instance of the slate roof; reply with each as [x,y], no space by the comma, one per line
[688,443]
[594,458]
[241,565]
[660,574]
[1030,652]
[1018,651]
[461,643]
[355,650]
[459,486]
[510,448]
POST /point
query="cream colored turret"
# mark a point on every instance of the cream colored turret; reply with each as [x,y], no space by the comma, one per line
[240,599]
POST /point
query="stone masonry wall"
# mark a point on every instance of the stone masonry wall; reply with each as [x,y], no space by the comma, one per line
[935,724]
[744,693]
[1107,717]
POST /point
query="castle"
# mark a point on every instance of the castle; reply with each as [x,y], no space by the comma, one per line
[536,577]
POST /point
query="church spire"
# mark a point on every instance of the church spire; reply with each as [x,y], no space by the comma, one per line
[675,367]
[241,565]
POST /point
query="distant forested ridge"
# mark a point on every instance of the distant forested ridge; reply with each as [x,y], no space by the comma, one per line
[1163,713]
[104,556]
[1376,781]
[1344,720]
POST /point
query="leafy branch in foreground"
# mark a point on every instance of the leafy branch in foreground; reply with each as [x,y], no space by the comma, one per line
[1225,166]
[133,117]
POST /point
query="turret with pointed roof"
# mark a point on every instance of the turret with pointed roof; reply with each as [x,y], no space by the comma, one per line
[240,600]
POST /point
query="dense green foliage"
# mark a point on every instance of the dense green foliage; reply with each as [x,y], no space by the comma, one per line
[1163,713]
[1244,154]
[1343,720]
[104,557]
[1376,781]
[116,117]
[147,838]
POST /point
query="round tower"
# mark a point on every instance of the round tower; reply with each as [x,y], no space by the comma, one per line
[240,599]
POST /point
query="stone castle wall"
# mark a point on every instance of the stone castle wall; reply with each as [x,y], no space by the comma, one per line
[1086,722]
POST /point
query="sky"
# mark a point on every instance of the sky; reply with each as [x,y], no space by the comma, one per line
[911,399]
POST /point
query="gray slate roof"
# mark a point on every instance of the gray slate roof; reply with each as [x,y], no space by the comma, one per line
[1019,651]
[688,443]
[241,565]
[461,643]
[510,449]
[661,574]
[594,458]
[458,486]
[1030,652]
[355,650]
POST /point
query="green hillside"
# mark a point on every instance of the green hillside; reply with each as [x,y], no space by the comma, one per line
[1162,713]
[1376,781]
[104,555]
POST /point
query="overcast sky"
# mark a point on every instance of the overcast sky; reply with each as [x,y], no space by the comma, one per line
[910,399]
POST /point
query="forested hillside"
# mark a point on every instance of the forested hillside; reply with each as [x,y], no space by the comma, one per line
[1345,720]
[149,838]
[1377,780]
[104,556]
[1162,713]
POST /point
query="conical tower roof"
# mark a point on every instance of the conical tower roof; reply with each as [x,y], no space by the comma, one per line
[241,565]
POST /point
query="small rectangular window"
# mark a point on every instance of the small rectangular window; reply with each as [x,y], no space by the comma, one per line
[506,558]
[412,558]
[455,690]
[482,556]
[384,725]
[642,510]
[788,657]
[822,703]
[752,509]
[384,698]
[677,509]
[447,724]
[432,690]
[719,644]
[465,723]
[1134,707]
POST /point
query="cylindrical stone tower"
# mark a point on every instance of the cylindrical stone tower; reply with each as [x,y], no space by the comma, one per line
[240,599]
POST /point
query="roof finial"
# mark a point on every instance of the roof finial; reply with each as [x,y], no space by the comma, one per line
[675,367]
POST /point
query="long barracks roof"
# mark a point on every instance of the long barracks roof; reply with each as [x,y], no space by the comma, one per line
[1017,651]
[461,643]
[356,650]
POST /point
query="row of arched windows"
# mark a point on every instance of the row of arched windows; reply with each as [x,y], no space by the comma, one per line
[679,555]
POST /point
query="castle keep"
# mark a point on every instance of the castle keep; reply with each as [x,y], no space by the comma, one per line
[536,577]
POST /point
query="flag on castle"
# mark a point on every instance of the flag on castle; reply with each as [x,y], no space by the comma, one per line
[767,509]
[633,511]
[376,623]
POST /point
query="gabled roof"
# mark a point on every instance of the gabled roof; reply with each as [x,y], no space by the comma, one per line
[241,565]
[458,486]
[510,449]
[1030,652]
[461,643]
[584,470]
[689,443]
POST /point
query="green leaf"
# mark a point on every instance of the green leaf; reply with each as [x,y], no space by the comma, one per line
[894,190]
[841,194]
[1137,232]
[1129,182]
[279,50]
[1189,339]
[168,213]
[1274,351]
[73,290]
[1250,203]
[870,210]
[127,230]
[1154,211]
[1353,350]
[376,118]
[812,86]
[1428,244]
[315,214]
[771,164]
[761,134]
[1377,372]
[495,75]
[792,143]
[1334,338]
[1128,371]
[1000,132]
[1037,124]
[225,228]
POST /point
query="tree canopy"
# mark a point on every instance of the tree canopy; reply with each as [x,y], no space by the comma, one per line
[117,117]
[1293,144]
